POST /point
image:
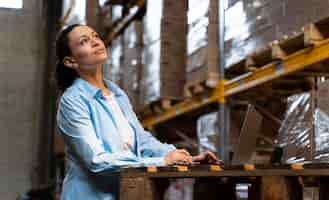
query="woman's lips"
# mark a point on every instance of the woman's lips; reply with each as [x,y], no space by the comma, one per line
[100,51]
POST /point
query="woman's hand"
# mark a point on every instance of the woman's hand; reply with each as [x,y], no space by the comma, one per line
[178,156]
[206,157]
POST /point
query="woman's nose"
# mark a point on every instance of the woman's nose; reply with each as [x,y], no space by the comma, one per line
[95,42]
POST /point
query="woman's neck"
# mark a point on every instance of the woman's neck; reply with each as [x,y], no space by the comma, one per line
[95,78]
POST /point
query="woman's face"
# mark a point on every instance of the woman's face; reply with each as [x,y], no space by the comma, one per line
[87,48]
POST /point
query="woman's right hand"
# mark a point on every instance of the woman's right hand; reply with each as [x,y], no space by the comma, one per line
[178,156]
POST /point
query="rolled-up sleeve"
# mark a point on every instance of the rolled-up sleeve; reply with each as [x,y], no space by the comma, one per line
[74,122]
[151,147]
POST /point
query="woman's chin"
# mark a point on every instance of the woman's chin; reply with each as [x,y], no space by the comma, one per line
[101,60]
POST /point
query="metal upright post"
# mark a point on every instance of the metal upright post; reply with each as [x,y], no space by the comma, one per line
[222,149]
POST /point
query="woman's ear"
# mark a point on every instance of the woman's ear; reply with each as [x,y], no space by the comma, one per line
[70,62]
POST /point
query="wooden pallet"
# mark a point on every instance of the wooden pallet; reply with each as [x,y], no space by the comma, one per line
[309,35]
[277,51]
[159,106]
[201,86]
[284,182]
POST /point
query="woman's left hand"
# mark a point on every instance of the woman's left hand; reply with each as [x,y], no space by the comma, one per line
[207,157]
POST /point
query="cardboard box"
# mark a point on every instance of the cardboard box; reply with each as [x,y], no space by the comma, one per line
[254,23]
[164,55]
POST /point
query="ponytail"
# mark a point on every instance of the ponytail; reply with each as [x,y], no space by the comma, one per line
[64,76]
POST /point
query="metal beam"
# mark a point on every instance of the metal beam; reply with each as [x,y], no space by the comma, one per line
[290,64]
[179,109]
[125,21]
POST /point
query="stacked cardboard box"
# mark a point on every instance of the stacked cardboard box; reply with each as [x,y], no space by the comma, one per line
[173,48]
[132,58]
[249,25]
[254,23]
[202,55]
[150,79]
[164,54]
[112,69]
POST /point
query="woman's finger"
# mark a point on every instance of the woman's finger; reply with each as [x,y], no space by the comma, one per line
[212,156]
[184,152]
[199,157]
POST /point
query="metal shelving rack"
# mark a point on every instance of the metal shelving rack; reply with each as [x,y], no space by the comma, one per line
[303,59]
[296,58]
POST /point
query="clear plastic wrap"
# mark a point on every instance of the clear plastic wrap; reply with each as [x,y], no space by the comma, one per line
[77,14]
[254,23]
[150,80]
[131,66]
[111,69]
[321,120]
[197,60]
[155,82]
[150,83]
[152,21]
[130,69]
[304,134]
[130,36]
[197,25]
[296,128]
[116,13]
[207,131]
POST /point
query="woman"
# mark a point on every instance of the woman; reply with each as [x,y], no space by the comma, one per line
[100,130]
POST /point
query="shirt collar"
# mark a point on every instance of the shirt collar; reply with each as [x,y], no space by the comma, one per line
[95,91]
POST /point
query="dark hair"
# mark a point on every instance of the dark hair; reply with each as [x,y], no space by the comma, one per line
[64,76]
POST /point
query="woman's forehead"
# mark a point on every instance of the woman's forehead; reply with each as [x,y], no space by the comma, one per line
[80,31]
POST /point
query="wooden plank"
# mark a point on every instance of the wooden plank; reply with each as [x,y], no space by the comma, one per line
[277,51]
[250,64]
[323,189]
[192,172]
[139,188]
[312,35]
[274,188]
[135,189]
[281,188]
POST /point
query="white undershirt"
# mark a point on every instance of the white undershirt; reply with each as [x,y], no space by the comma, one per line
[123,126]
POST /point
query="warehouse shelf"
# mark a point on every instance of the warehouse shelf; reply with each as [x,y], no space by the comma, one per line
[306,58]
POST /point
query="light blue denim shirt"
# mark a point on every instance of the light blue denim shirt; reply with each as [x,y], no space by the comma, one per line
[93,145]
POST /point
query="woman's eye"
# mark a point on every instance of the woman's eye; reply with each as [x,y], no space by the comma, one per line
[83,41]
